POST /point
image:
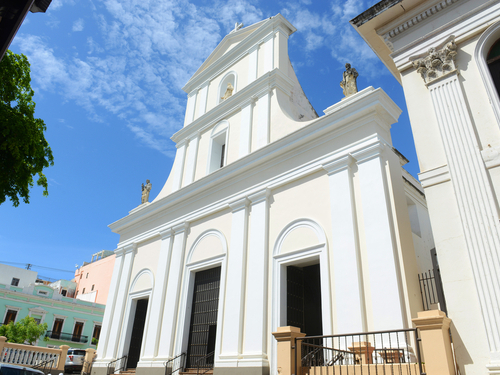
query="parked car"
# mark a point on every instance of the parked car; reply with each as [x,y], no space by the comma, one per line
[74,360]
[8,369]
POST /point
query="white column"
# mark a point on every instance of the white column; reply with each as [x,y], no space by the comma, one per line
[475,200]
[383,300]
[179,165]
[110,304]
[235,284]
[191,159]
[245,128]
[169,319]
[202,100]
[268,47]
[120,302]
[191,106]
[253,55]
[257,291]
[158,297]
[350,309]
[262,123]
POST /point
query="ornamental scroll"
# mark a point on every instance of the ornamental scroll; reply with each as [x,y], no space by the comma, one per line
[438,62]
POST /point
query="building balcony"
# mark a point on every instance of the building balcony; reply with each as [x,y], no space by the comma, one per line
[66,336]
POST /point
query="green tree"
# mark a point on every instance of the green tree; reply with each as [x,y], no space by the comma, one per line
[24,152]
[27,330]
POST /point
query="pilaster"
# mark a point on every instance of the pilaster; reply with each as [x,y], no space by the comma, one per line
[128,253]
[246,127]
[158,297]
[383,300]
[192,154]
[262,123]
[169,319]
[179,165]
[474,195]
[235,286]
[255,339]
[345,248]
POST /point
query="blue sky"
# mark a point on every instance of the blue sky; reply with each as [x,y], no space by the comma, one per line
[108,76]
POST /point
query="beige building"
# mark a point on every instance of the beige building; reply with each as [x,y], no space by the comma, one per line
[268,208]
[446,55]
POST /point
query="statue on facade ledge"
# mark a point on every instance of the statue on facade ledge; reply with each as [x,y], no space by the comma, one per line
[348,82]
[145,192]
[229,91]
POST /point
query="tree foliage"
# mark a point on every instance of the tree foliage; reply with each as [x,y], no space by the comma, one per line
[24,152]
[27,330]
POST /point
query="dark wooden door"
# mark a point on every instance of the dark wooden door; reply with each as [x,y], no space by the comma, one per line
[303,296]
[203,327]
[134,350]
[77,332]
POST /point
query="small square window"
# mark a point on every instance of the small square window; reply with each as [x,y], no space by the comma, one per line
[15,282]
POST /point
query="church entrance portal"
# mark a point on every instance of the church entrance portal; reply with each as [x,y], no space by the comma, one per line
[303,299]
[203,327]
[134,350]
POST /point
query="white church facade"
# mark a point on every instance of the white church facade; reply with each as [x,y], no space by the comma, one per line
[265,200]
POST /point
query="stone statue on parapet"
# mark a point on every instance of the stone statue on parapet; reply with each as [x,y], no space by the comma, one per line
[229,91]
[348,82]
[145,192]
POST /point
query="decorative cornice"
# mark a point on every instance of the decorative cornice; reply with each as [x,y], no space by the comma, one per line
[167,233]
[414,21]
[369,153]
[129,248]
[439,62]
[344,119]
[260,196]
[339,165]
[239,204]
[180,228]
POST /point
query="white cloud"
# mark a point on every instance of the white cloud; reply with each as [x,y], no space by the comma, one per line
[78,25]
[142,52]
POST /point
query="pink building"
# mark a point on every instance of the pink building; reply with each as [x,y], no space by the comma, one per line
[93,279]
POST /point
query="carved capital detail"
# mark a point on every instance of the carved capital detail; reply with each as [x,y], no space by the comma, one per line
[438,62]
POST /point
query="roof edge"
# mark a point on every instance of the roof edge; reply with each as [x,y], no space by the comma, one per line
[373,12]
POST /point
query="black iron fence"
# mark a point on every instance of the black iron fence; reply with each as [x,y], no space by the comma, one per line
[176,364]
[205,363]
[377,353]
[117,365]
[431,290]
[66,336]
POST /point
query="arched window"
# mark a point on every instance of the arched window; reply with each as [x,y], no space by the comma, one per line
[487,57]
[493,61]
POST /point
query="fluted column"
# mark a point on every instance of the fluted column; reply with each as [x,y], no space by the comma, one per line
[474,195]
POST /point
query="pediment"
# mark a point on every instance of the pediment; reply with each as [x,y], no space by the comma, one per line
[230,41]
